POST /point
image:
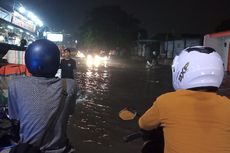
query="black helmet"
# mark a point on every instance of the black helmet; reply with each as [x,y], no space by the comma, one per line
[42,58]
[67,50]
[23,43]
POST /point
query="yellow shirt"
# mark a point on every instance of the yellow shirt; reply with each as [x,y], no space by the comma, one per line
[193,121]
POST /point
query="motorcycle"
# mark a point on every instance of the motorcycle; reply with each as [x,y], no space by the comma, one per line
[9,130]
[153,140]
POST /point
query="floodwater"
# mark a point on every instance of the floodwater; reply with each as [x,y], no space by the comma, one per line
[95,126]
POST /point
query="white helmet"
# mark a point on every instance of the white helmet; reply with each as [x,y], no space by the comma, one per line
[197,66]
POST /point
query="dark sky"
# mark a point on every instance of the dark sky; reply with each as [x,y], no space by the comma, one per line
[184,16]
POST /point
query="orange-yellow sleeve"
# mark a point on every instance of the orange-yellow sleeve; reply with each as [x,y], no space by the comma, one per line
[150,119]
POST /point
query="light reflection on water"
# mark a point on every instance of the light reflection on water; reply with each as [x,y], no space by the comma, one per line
[97,119]
[94,85]
[95,124]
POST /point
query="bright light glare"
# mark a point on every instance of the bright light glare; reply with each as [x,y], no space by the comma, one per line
[22,10]
[89,61]
[35,19]
[55,37]
[10,27]
[80,55]
[105,61]
[31,15]
[17,41]
[40,23]
[2,38]
[96,61]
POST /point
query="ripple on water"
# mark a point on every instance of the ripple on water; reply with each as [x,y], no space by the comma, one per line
[94,85]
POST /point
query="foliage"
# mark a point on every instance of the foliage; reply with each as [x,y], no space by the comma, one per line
[109,27]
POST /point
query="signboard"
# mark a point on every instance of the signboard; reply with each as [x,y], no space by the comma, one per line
[23,22]
[55,37]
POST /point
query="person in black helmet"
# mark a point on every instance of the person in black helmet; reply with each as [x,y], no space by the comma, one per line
[68,65]
[23,43]
[33,100]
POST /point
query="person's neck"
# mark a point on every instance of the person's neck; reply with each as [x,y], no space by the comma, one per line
[205,89]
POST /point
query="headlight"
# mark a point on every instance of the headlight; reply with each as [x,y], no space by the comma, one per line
[89,61]
[80,54]
[96,61]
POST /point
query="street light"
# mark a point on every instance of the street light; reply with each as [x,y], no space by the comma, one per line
[22,9]
[35,19]
[31,15]
[40,23]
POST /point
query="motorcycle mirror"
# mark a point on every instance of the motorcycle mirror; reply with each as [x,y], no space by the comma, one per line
[127,114]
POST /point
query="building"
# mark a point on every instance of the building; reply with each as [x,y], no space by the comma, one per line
[172,45]
[17,24]
[167,45]
[18,28]
[221,43]
[145,47]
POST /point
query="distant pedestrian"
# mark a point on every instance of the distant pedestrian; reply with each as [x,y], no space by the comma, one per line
[23,43]
[155,57]
[68,65]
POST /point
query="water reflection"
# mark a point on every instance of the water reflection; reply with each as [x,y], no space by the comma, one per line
[105,91]
[95,126]
[94,84]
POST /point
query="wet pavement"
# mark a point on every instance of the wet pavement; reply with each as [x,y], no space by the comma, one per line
[95,126]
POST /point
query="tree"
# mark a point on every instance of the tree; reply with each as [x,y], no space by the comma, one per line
[109,27]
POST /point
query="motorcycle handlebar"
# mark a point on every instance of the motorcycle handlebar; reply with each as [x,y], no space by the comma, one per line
[155,134]
[133,136]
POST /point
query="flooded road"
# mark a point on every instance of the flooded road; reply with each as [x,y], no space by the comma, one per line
[95,126]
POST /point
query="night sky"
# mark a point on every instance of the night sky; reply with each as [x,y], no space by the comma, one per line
[156,16]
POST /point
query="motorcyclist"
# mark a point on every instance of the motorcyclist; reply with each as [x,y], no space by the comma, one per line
[194,118]
[33,100]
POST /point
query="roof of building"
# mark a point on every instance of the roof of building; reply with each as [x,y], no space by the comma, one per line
[219,34]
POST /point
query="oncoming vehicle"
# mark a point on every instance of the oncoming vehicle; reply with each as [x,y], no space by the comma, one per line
[94,59]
